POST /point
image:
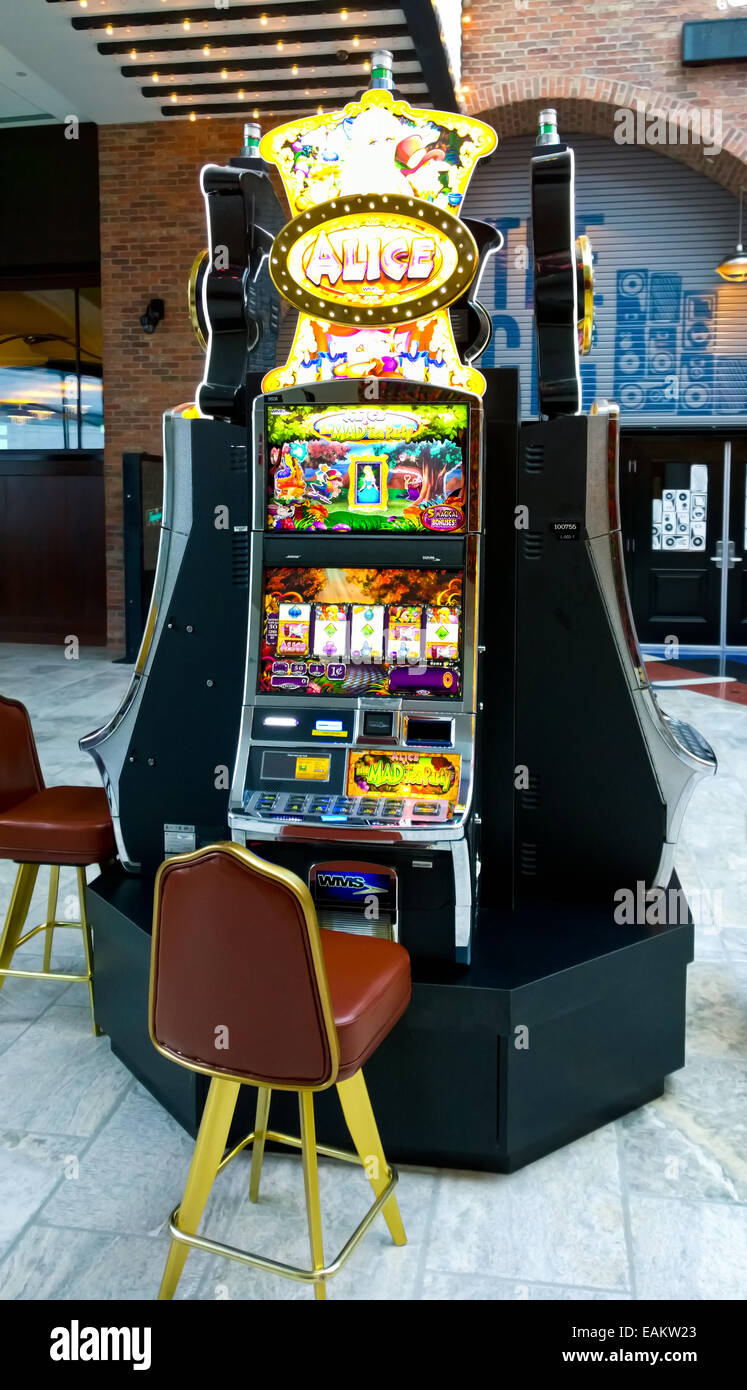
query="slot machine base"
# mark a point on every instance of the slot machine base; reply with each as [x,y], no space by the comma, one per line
[563,1022]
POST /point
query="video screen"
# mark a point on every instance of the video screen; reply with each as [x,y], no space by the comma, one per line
[367,468]
[362,632]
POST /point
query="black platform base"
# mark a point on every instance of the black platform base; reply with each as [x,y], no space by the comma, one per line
[564,1021]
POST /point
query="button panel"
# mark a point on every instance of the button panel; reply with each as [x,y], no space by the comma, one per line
[345,810]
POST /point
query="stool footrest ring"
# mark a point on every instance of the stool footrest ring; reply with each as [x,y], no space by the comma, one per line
[247,1257]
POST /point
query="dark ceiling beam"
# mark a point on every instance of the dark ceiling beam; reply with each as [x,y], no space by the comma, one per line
[266,107]
[339,34]
[339,86]
[422,23]
[282,64]
[324,9]
[331,86]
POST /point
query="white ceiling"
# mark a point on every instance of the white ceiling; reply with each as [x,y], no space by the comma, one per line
[291,56]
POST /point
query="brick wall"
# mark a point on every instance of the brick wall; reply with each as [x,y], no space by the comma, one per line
[587,59]
[152,226]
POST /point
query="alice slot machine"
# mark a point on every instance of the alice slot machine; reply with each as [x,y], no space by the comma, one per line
[357,751]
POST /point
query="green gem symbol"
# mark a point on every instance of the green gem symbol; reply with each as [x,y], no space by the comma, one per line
[367,630]
[442,632]
[330,629]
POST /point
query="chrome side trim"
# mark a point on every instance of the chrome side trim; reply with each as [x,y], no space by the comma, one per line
[462,897]
[675,766]
[108,745]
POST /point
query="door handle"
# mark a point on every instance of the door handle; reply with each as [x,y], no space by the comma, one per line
[731,558]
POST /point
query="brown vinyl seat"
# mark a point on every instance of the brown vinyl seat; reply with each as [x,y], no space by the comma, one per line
[44,825]
[246,988]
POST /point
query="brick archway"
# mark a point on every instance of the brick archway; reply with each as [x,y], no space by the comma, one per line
[588,105]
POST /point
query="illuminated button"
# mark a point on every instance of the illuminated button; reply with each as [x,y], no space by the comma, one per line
[426,808]
[266,801]
[295,803]
[317,804]
[367,806]
[333,819]
[343,803]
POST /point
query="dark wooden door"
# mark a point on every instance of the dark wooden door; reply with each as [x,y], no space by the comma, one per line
[671,487]
[52,548]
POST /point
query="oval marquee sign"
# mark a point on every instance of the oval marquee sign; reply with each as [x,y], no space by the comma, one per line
[373,259]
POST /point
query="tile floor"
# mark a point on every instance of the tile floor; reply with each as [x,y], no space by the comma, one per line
[654,1206]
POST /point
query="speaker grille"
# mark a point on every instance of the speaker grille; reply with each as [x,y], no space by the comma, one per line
[527,859]
[532,545]
[534,458]
[531,795]
[240,558]
[237,458]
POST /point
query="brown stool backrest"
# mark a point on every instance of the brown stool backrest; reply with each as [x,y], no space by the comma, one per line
[238,985]
[20,773]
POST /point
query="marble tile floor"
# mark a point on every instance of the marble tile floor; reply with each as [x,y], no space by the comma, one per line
[653,1206]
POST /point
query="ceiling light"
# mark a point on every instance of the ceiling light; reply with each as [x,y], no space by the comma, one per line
[155,77]
[279,43]
[174,97]
[192,116]
[263,19]
[133,53]
[110,28]
[294,69]
[734,268]
[224,74]
[187,24]
[206,49]
[241,93]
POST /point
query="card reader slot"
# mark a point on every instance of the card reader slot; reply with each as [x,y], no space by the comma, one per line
[429,733]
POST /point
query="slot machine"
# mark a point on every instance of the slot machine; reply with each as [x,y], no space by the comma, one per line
[357,752]
[357,746]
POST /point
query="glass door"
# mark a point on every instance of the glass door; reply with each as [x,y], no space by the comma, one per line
[671,488]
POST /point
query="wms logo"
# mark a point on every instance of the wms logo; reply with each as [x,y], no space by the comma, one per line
[76,1343]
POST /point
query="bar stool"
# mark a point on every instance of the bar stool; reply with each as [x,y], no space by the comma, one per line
[45,826]
[247,989]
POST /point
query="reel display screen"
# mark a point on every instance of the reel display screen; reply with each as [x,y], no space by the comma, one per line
[398,469]
[374,631]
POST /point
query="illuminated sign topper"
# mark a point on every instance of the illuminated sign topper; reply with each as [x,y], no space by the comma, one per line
[375,251]
[372,259]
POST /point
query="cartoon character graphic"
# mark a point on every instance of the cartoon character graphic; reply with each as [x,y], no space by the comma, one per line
[327,481]
[289,483]
[368,488]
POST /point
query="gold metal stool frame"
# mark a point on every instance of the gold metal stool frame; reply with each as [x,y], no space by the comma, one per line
[218,1113]
[11,939]
[209,1156]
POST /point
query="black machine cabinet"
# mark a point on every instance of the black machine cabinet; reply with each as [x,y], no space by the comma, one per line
[166,754]
[602,775]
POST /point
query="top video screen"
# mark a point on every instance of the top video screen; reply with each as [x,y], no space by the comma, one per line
[393,468]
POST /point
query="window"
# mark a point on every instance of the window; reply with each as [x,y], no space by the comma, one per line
[51,369]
